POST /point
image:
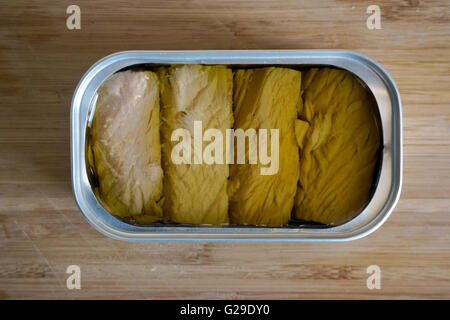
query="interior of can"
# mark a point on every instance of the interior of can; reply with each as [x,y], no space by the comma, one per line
[293,223]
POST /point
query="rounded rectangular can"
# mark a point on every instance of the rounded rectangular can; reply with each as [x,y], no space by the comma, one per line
[374,214]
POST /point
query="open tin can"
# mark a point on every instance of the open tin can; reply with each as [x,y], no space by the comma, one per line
[386,190]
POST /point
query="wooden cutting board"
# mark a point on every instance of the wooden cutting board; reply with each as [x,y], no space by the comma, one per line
[42,231]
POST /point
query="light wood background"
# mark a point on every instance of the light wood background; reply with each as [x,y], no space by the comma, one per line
[42,232]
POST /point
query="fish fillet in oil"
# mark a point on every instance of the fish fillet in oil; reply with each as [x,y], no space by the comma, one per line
[195,193]
[266,98]
[339,140]
[125,147]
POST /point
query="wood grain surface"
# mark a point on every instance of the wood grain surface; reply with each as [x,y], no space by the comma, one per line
[42,231]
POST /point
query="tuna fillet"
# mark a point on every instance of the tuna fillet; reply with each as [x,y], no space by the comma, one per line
[125,147]
[195,193]
[339,140]
[266,98]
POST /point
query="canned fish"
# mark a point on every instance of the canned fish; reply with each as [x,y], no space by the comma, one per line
[385,189]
